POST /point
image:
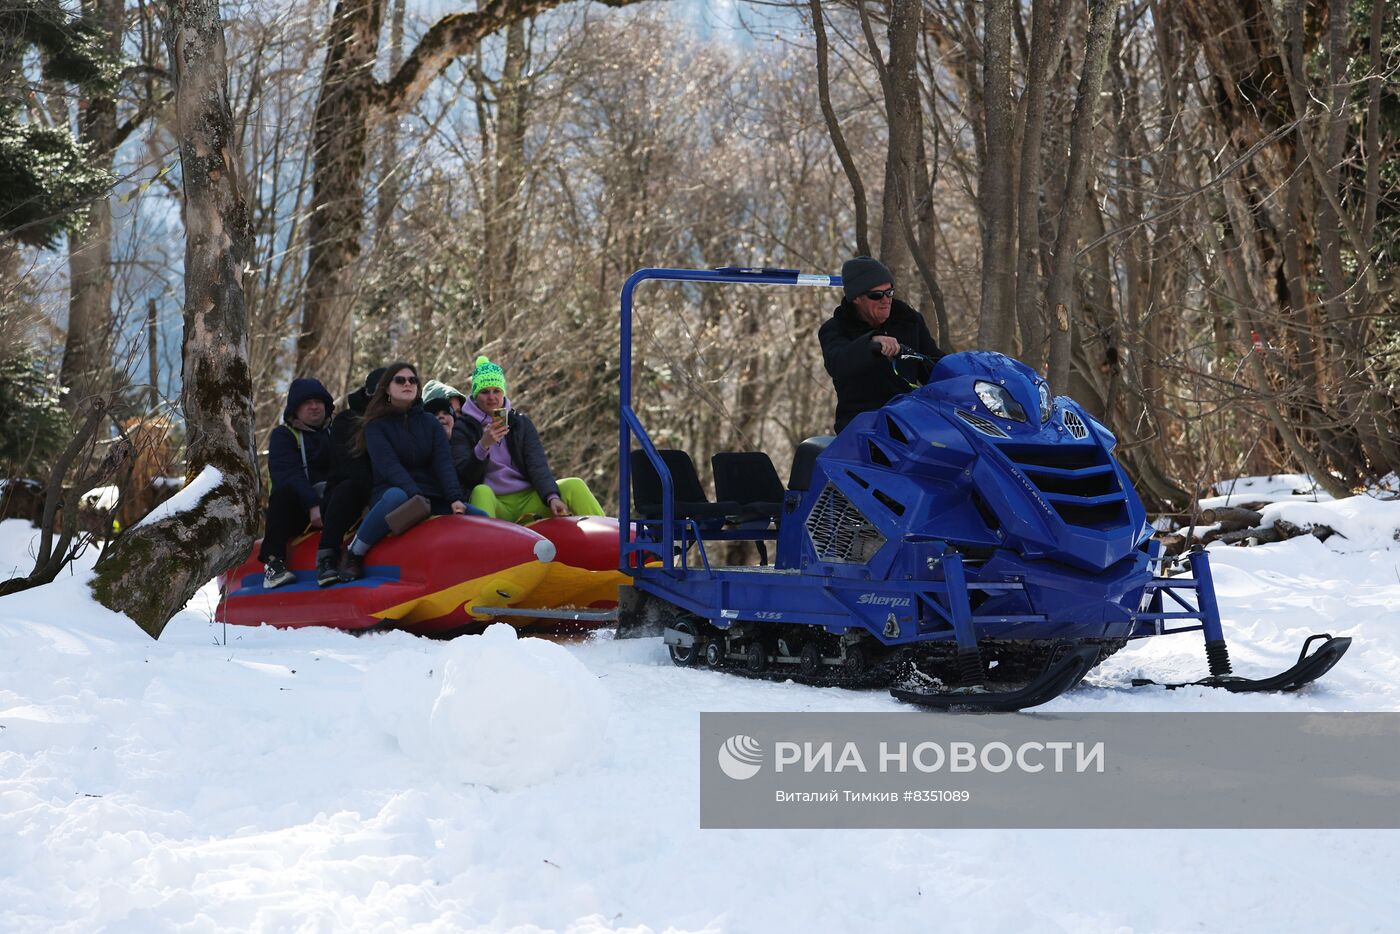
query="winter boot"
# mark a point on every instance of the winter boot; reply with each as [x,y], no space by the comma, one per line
[276,574]
[352,566]
[327,568]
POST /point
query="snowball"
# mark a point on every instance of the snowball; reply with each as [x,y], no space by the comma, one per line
[495,710]
[400,691]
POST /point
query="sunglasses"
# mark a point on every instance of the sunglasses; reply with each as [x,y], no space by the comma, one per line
[405,380]
[875,295]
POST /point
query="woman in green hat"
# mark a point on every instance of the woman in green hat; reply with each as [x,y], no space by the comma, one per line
[501,462]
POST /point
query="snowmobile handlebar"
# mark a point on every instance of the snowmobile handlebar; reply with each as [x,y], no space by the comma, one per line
[909,353]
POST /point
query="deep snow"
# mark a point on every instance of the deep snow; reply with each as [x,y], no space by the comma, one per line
[314,781]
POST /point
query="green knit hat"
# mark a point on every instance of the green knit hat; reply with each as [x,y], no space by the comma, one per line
[487,375]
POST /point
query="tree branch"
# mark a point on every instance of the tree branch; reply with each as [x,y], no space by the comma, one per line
[449,38]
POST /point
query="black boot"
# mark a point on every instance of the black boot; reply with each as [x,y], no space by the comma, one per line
[275,573]
[327,567]
[352,566]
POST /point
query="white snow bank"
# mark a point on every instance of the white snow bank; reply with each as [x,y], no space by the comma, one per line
[252,781]
[493,709]
[19,543]
[188,498]
[102,498]
[1367,522]
[1275,488]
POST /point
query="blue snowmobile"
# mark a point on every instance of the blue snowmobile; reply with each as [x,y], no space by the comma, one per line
[973,544]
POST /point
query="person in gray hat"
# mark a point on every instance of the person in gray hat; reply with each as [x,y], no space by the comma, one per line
[863,335]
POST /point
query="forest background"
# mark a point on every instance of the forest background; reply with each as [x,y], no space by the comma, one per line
[1185,213]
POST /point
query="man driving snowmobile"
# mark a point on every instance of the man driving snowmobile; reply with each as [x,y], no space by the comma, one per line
[861,340]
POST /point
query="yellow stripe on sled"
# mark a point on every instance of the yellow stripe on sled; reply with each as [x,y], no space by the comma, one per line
[566,586]
[499,588]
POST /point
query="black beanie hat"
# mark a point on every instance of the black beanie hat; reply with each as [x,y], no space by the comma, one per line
[372,380]
[862,274]
[359,399]
[437,404]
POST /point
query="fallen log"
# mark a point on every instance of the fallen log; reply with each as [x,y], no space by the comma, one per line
[1262,535]
[1173,543]
[1287,529]
[1231,518]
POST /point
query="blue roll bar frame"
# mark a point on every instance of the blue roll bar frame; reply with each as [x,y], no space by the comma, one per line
[629,426]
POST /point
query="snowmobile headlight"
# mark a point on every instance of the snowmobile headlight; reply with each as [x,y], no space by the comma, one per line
[1046,404]
[998,401]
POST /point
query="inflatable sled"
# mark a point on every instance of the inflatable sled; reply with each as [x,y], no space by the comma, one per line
[450,574]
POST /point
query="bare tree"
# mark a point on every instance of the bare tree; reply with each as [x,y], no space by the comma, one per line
[213,527]
[90,343]
[996,190]
[1081,157]
[350,99]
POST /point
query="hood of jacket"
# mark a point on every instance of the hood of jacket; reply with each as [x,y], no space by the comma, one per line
[303,389]
[434,389]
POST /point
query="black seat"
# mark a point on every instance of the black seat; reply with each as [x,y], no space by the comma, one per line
[690,499]
[804,458]
[748,478]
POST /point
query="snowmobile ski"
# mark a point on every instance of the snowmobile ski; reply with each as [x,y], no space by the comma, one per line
[1307,670]
[1058,677]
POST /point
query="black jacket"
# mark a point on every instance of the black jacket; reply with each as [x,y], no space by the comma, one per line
[298,458]
[524,446]
[864,379]
[410,451]
[345,465]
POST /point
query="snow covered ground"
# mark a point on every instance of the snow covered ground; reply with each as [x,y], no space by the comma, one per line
[314,781]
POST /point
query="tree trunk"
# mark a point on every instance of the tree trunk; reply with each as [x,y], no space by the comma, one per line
[504,214]
[833,129]
[349,99]
[389,168]
[337,203]
[1059,295]
[906,129]
[996,319]
[908,201]
[153,569]
[87,351]
[1251,285]
[1048,28]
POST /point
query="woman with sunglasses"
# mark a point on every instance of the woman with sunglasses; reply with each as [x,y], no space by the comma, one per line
[862,337]
[408,455]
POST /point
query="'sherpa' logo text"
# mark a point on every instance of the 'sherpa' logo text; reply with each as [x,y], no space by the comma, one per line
[875,599]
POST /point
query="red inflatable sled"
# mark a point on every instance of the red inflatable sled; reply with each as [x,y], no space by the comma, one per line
[447,575]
